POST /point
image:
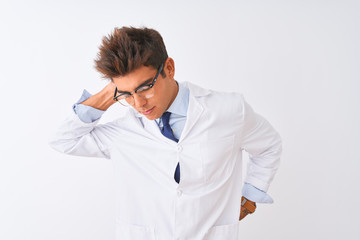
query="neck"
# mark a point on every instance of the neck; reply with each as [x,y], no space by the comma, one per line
[175,90]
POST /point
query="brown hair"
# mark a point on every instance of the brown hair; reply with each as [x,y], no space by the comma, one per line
[129,48]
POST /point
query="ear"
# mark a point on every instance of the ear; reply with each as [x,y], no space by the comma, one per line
[169,68]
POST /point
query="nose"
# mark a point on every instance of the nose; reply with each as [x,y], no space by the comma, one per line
[139,101]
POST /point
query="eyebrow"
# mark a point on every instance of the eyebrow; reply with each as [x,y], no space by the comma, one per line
[143,83]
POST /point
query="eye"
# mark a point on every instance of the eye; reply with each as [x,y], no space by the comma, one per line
[123,96]
[143,88]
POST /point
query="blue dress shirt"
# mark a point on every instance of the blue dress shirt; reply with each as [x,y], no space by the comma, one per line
[177,122]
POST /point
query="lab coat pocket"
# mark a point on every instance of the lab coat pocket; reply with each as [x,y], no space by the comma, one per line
[224,232]
[217,158]
[130,232]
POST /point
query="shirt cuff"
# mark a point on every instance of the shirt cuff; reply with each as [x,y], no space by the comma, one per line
[256,195]
[86,113]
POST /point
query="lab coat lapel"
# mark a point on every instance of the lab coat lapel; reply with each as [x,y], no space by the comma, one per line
[151,127]
[193,114]
[195,109]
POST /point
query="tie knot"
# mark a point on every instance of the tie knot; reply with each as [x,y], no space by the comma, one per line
[165,118]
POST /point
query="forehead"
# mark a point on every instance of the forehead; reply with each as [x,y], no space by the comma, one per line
[135,78]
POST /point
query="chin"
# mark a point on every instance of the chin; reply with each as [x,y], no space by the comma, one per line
[151,117]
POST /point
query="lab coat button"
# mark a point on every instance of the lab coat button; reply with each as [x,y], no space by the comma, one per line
[179,148]
[179,193]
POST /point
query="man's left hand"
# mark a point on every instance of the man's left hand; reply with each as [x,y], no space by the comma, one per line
[244,211]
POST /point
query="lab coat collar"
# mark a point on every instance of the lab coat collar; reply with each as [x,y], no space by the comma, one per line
[195,90]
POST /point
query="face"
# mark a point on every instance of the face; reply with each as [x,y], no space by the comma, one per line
[165,89]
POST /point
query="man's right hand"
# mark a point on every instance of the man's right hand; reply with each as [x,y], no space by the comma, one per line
[103,99]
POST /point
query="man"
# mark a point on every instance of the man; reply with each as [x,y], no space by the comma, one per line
[177,152]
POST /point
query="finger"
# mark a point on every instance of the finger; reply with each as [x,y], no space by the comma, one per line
[243,213]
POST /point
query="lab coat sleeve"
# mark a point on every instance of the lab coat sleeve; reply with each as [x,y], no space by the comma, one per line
[76,137]
[263,145]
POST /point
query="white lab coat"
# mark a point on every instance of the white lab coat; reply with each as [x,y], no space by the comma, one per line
[206,203]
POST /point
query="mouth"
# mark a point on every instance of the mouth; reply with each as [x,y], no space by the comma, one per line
[147,112]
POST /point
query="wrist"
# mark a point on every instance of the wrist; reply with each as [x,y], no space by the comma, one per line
[102,100]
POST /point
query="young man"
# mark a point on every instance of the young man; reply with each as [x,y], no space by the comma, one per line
[177,152]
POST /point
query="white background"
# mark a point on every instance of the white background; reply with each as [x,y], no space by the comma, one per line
[297,62]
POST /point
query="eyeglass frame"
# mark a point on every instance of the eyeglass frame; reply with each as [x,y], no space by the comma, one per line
[151,85]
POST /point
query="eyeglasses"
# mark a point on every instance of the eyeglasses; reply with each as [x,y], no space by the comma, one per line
[145,91]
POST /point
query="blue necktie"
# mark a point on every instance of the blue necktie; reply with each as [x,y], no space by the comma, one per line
[167,132]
